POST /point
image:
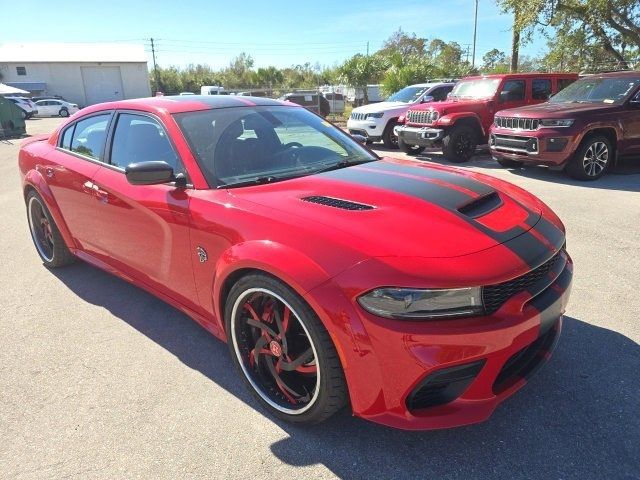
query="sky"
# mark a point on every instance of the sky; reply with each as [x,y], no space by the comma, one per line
[279,33]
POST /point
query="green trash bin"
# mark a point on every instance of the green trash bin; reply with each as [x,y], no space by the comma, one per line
[11,121]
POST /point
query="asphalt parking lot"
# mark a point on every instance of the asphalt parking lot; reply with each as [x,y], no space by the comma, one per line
[101,380]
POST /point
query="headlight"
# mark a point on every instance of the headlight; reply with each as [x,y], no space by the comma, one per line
[556,122]
[375,115]
[409,303]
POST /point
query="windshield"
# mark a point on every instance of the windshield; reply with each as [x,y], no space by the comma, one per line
[481,88]
[597,90]
[261,144]
[407,95]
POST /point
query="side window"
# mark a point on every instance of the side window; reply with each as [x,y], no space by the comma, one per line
[67,135]
[89,136]
[541,88]
[564,82]
[514,89]
[440,94]
[138,138]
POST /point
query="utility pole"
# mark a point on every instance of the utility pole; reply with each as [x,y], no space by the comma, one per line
[367,49]
[155,67]
[475,30]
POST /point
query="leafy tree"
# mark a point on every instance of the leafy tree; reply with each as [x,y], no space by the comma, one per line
[360,70]
[609,29]
[403,44]
[492,59]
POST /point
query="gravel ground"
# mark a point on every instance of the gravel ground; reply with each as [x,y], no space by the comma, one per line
[101,380]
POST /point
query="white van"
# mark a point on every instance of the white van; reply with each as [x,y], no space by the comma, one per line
[212,90]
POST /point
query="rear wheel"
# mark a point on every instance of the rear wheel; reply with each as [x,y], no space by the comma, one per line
[592,158]
[283,351]
[409,149]
[460,144]
[389,138]
[45,234]
[64,112]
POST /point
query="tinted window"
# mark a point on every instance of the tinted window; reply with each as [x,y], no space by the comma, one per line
[89,136]
[21,70]
[67,135]
[541,88]
[141,139]
[439,94]
[514,89]
[564,82]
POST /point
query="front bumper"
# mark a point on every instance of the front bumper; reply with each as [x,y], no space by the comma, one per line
[422,136]
[388,362]
[371,128]
[550,147]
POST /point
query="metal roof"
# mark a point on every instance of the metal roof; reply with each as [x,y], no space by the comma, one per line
[71,52]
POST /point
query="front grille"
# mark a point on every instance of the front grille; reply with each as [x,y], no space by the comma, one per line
[514,143]
[337,203]
[516,123]
[422,116]
[358,116]
[494,296]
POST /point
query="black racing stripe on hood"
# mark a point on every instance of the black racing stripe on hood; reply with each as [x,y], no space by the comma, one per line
[431,173]
[439,195]
[553,234]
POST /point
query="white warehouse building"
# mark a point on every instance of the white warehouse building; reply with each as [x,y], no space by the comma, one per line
[81,73]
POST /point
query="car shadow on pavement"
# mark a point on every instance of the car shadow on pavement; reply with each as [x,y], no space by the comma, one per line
[577,418]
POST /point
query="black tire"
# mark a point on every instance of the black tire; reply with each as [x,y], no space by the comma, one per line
[389,138]
[592,158]
[283,396]
[63,112]
[460,143]
[409,149]
[45,234]
[507,163]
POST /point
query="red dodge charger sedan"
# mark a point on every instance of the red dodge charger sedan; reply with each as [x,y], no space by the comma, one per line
[420,295]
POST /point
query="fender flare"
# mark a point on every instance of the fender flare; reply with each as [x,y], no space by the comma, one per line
[452,119]
[34,180]
[287,264]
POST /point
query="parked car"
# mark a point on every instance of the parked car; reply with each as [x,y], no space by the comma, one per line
[421,296]
[461,123]
[336,102]
[49,97]
[55,108]
[313,101]
[377,121]
[28,108]
[212,90]
[583,129]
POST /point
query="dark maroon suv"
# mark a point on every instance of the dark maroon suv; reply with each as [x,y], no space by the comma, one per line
[583,129]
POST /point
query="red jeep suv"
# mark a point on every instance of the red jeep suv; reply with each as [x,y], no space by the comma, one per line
[463,121]
[582,129]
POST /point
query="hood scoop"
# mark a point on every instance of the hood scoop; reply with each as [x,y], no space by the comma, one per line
[480,206]
[337,203]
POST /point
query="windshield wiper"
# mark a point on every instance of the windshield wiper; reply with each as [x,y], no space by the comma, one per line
[339,165]
[253,181]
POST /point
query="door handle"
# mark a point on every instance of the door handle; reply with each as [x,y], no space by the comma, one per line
[89,187]
[102,195]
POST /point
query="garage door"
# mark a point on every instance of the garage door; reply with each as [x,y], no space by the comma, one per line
[102,84]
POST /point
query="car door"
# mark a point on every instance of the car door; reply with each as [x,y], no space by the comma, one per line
[512,94]
[144,229]
[69,169]
[44,108]
[630,120]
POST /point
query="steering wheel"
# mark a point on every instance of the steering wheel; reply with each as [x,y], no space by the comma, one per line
[289,145]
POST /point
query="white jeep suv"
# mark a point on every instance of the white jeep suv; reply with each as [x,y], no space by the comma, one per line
[376,120]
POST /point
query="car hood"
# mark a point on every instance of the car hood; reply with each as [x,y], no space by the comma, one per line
[559,110]
[382,107]
[401,208]
[451,106]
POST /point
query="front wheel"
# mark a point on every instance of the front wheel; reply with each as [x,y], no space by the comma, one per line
[282,351]
[389,138]
[45,234]
[409,149]
[591,159]
[460,144]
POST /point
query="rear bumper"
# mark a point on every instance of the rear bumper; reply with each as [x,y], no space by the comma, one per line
[551,147]
[422,136]
[430,375]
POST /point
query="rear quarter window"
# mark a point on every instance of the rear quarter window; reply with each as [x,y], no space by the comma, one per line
[67,135]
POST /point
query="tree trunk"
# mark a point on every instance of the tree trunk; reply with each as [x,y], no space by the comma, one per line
[515,49]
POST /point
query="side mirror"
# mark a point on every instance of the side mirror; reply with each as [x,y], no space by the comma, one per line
[149,173]
[504,96]
[427,99]
[359,138]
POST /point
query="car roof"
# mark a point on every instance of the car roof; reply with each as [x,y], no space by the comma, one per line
[521,75]
[186,103]
[622,73]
